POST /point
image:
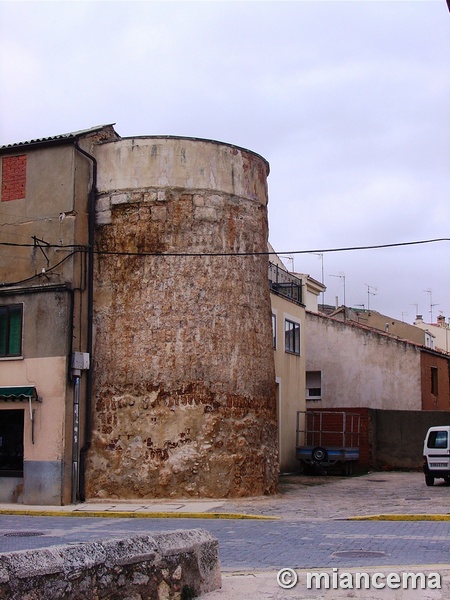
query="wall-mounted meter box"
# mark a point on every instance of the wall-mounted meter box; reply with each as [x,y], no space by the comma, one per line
[80,361]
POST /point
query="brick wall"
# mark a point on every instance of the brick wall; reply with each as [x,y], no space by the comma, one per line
[435,397]
[14,172]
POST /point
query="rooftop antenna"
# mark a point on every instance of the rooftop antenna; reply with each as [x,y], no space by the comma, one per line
[359,306]
[291,258]
[320,255]
[431,304]
[369,293]
[405,313]
[417,310]
[341,276]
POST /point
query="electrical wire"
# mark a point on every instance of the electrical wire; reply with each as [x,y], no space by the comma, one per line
[78,248]
[265,253]
[40,274]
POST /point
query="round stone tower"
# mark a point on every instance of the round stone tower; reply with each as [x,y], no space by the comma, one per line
[184,381]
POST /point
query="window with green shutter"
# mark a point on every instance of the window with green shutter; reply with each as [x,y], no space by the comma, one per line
[11,318]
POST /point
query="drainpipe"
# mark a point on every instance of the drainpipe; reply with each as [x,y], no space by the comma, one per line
[76,439]
[89,344]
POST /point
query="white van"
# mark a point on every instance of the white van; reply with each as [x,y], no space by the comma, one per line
[436,454]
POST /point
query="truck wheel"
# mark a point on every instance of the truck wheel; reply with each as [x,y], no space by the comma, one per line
[447,479]
[319,454]
[429,480]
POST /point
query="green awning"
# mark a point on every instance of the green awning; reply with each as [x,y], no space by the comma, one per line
[18,393]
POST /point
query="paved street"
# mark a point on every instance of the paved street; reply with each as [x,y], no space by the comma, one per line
[312,527]
[246,544]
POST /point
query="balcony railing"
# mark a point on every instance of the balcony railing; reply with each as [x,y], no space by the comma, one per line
[284,283]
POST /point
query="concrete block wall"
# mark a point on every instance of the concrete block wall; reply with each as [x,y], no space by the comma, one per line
[399,436]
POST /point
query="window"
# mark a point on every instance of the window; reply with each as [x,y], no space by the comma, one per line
[313,385]
[11,330]
[437,439]
[11,443]
[292,337]
[274,331]
[434,381]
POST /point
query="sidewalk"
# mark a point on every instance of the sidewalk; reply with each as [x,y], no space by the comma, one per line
[263,586]
[377,495]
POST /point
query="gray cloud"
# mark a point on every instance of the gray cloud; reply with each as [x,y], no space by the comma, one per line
[349,102]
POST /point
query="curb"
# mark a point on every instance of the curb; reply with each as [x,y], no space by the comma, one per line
[413,517]
[135,515]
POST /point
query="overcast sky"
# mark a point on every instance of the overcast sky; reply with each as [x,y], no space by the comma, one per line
[349,101]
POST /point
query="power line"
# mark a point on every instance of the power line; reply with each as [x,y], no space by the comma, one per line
[265,253]
[42,274]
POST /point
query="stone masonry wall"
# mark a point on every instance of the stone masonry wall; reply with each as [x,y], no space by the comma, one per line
[169,565]
[184,371]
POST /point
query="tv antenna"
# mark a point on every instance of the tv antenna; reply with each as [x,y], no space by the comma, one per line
[320,255]
[341,276]
[369,293]
[431,304]
[290,257]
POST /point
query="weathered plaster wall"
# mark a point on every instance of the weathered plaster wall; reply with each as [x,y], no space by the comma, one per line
[361,368]
[47,451]
[184,389]
[44,447]
[54,210]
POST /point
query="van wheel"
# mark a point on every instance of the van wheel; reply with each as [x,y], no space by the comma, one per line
[447,479]
[429,480]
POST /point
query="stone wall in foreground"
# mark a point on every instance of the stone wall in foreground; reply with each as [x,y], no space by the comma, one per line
[184,379]
[161,566]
